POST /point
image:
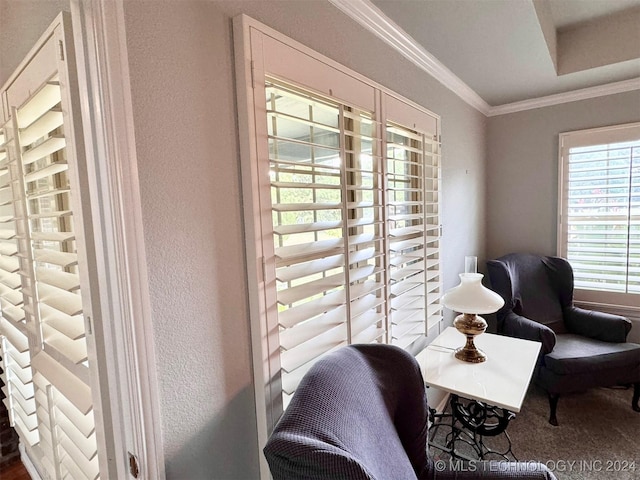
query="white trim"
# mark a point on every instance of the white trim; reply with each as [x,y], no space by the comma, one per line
[128,359]
[373,19]
[573,96]
[28,464]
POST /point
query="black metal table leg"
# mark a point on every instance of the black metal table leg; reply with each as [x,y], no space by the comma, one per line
[470,422]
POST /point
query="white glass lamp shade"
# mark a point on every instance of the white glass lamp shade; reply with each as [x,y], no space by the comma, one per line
[471,296]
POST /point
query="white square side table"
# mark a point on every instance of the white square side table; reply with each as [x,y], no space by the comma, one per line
[494,390]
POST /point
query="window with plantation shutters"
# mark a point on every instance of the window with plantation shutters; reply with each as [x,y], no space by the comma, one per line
[341,196]
[44,286]
[600,212]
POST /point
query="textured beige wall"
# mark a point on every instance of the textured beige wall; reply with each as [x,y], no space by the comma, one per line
[183,90]
[22,22]
[522,169]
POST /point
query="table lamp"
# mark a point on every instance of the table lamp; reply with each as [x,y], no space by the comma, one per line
[469,299]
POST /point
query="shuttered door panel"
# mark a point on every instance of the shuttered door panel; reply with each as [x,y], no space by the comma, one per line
[19,391]
[41,285]
[602,219]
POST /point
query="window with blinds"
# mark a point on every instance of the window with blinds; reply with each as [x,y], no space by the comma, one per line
[341,196]
[355,232]
[44,291]
[600,209]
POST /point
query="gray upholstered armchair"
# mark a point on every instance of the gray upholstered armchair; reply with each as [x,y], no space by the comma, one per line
[581,349]
[361,413]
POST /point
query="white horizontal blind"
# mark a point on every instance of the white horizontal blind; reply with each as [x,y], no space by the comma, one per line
[414,230]
[341,182]
[327,224]
[601,219]
[18,389]
[355,234]
[47,301]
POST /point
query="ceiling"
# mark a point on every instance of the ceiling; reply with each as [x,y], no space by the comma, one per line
[510,51]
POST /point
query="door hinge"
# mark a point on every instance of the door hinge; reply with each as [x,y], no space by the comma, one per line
[133,465]
[61,48]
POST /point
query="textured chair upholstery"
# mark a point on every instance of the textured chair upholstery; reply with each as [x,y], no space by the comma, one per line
[361,413]
[581,349]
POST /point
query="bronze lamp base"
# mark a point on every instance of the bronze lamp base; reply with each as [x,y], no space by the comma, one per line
[470,325]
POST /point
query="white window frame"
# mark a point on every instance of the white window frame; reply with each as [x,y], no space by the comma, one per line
[293,62]
[627,302]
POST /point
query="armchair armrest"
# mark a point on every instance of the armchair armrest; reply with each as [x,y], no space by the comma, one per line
[521,327]
[598,325]
[489,470]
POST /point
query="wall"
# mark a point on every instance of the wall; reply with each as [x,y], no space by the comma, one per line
[23,21]
[183,88]
[522,169]
[21,25]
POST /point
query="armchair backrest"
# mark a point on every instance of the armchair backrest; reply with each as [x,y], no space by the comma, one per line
[533,286]
[360,412]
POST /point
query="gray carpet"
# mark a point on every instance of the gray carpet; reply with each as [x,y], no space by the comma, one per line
[598,436]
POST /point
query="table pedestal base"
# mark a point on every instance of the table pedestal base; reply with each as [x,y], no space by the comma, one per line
[470,421]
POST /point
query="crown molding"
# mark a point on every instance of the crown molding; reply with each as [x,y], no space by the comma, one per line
[374,20]
[573,96]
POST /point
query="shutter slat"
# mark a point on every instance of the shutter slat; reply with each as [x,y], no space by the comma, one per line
[83,422]
[71,326]
[292,337]
[58,278]
[53,144]
[365,321]
[54,257]
[74,389]
[308,251]
[295,315]
[89,468]
[53,236]
[41,127]
[16,338]
[74,350]
[369,335]
[44,100]
[329,339]
[66,302]
[306,290]
[86,445]
[47,171]
[286,274]
[306,227]
[13,313]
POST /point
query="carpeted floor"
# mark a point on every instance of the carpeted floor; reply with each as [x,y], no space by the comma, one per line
[598,437]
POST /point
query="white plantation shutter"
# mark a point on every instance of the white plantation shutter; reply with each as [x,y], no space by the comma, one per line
[414,230]
[342,217]
[44,292]
[19,389]
[328,227]
[600,210]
